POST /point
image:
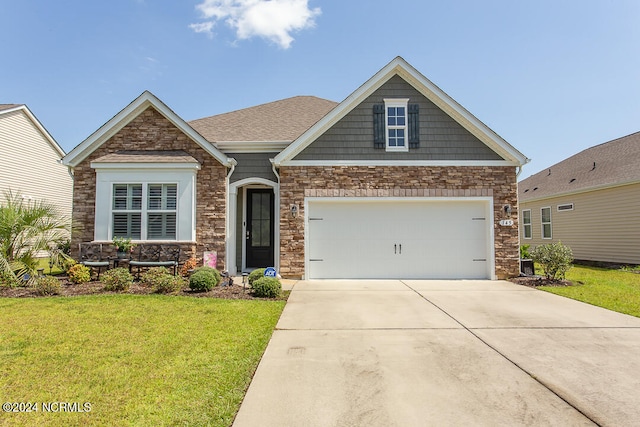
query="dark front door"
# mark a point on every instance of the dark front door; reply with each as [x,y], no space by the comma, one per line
[259,236]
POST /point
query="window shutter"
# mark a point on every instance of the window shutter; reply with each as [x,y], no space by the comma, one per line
[378,126]
[414,126]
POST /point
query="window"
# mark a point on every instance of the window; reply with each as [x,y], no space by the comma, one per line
[526,223]
[396,124]
[546,222]
[566,207]
[155,219]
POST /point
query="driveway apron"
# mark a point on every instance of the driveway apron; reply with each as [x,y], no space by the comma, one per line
[415,353]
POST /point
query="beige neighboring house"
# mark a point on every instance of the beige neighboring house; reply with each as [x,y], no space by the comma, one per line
[30,160]
[590,202]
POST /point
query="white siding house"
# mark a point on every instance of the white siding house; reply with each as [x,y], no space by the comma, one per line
[30,160]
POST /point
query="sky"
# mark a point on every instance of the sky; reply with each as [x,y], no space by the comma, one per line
[552,77]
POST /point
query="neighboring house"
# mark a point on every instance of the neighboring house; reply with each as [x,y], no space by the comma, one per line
[396,181]
[590,202]
[30,160]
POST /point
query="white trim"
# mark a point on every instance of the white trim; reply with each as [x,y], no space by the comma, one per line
[125,116]
[399,163]
[38,125]
[488,200]
[447,104]
[566,206]
[232,211]
[395,103]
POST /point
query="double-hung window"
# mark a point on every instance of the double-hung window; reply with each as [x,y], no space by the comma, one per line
[396,119]
[545,214]
[526,223]
[145,211]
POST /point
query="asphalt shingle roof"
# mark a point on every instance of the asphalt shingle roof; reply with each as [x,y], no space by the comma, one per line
[278,121]
[611,163]
[8,106]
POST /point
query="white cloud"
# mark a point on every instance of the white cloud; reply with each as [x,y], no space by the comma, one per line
[273,20]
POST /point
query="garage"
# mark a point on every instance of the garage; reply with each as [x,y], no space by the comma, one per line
[405,238]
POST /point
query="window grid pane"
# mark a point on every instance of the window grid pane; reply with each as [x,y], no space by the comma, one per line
[160,197]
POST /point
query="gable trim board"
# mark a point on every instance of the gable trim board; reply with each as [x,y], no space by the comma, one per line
[447,104]
[125,116]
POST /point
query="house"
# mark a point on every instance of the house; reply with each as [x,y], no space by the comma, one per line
[30,162]
[396,181]
[590,202]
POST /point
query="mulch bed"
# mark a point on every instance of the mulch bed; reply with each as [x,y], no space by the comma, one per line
[535,281]
[97,288]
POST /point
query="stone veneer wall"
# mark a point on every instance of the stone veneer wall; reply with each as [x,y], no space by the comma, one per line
[152,131]
[298,182]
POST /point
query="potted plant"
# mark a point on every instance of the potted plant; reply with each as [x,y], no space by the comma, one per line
[527,267]
[123,246]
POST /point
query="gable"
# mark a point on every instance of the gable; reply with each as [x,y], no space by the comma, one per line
[134,112]
[505,154]
[441,137]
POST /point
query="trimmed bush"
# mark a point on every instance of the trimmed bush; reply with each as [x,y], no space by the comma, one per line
[79,274]
[204,279]
[267,287]
[117,279]
[153,275]
[8,279]
[255,275]
[555,259]
[47,285]
[169,284]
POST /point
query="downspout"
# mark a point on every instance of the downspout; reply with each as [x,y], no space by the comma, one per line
[276,251]
[227,227]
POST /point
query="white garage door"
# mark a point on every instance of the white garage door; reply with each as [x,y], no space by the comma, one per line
[372,238]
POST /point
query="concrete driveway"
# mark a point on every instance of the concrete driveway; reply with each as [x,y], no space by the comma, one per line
[415,353]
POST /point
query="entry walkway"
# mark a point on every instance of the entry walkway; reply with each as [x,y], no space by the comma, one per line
[415,353]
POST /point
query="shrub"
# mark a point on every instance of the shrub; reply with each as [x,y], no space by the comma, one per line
[524,252]
[79,273]
[169,284]
[555,259]
[153,275]
[8,279]
[47,285]
[204,279]
[189,264]
[255,275]
[267,287]
[117,279]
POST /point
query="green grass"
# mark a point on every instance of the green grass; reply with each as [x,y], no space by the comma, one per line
[139,360]
[615,290]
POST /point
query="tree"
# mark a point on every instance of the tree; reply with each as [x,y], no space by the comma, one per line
[28,227]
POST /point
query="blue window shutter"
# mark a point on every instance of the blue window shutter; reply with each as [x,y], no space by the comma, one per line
[414,126]
[378,126]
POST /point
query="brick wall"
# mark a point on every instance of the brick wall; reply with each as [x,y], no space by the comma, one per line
[152,131]
[394,181]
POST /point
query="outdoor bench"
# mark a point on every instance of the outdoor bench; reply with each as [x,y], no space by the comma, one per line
[155,255]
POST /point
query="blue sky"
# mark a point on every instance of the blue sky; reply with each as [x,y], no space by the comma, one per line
[552,77]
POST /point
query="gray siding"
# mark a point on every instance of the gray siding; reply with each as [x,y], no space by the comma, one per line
[604,225]
[441,137]
[253,165]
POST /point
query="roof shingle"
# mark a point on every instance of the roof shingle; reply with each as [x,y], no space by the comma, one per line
[610,163]
[278,121]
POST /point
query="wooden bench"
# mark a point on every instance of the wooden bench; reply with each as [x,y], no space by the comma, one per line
[155,255]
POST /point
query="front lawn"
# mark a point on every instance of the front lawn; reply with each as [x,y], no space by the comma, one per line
[137,360]
[615,290]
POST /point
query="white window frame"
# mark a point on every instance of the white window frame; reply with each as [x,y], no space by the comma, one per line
[542,223]
[527,224]
[396,103]
[185,179]
[565,206]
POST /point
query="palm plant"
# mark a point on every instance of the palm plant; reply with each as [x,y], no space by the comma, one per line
[28,227]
